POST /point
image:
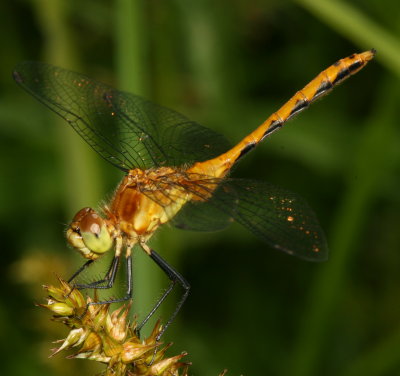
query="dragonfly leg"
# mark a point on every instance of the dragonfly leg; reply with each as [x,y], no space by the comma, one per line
[154,309]
[109,278]
[128,292]
[80,270]
[175,277]
[107,281]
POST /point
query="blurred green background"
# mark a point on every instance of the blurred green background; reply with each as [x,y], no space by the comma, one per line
[228,65]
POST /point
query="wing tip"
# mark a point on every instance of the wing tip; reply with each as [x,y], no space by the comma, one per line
[317,254]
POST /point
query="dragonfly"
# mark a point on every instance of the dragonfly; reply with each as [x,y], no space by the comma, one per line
[176,171]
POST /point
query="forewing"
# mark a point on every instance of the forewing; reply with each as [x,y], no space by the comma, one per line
[280,218]
[169,138]
[126,130]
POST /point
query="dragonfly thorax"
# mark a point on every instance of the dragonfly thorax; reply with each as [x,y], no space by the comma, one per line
[90,234]
[146,199]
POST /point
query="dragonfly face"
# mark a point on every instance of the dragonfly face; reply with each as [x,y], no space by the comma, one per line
[90,234]
[176,171]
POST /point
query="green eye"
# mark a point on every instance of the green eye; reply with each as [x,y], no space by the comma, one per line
[97,239]
[89,234]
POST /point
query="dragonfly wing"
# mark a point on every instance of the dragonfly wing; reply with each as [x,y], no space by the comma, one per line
[280,218]
[202,216]
[168,137]
[80,101]
[126,130]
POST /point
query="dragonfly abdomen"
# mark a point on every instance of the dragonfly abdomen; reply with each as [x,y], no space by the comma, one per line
[318,87]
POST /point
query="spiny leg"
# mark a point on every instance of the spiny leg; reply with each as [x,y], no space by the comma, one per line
[175,277]
[128,293]
[80,270]
[109,277]
[154,309]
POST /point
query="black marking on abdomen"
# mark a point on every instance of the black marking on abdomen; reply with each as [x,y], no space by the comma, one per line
[275,124]
[355,65]
[341,75]
[246,149]
[300,105]
[323,88]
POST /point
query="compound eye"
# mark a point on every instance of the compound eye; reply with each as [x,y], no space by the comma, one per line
[94,232]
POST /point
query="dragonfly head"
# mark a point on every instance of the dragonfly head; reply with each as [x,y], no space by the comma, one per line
[89,234]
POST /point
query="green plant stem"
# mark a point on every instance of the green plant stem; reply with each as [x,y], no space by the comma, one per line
[82,183]
[132,73]
[130,46]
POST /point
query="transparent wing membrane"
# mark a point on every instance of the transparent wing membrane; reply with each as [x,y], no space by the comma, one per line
[280,218]
[204,216]
[126,130]
[169,138]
